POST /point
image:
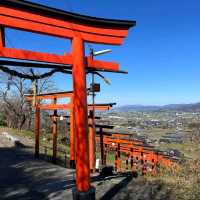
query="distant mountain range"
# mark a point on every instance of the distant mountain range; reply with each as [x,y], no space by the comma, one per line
[193,107]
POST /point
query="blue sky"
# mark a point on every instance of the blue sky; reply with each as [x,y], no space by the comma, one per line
[162,53]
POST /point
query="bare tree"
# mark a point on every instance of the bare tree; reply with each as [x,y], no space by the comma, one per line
[14,107]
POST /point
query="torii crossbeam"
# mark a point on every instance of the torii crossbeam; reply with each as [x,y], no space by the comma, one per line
[33,17]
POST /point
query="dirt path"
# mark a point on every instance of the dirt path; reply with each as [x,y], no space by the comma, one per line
[24,178]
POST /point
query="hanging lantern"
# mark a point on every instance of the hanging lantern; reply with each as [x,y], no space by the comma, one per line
[61,118]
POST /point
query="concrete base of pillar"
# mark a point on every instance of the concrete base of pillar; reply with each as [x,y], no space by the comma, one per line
[72,164]
[89,195]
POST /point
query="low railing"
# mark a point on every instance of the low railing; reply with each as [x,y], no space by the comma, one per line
[4,129]
[62,158]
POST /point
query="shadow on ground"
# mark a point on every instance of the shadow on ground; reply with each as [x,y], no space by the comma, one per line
[23,177]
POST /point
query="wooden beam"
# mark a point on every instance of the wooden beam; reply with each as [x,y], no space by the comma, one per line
[65,59]
[50,96]
[99,107]
[55,106]
[68,107]
[35,56]
[36,22]
[99,64]
[43,28]
[63,23]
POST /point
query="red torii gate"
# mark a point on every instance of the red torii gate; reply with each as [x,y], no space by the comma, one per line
[55,96]
[137,149]
[41,19]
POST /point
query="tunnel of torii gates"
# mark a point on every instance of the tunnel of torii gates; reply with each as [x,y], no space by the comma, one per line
[31,17]
[55,107]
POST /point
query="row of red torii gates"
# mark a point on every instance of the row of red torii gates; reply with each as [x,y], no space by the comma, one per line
[55,107]
[121,142]
[31,17]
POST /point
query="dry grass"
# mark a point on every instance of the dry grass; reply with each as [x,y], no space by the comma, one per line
[184,184]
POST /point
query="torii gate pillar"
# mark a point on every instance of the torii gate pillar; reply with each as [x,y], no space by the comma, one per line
[72,139]
[55,133]
[83,189]
[37,132]
[92,140]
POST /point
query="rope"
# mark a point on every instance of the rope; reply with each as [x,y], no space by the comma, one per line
[33,77]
